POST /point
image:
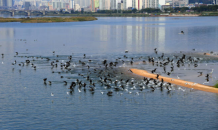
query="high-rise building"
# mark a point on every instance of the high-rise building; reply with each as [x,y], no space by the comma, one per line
[83,3]
[9,3]
[151,4]
[96,3]
[27,5]
[6,3]
[1,2]
[76,7]
[104,4]
[71,4]
[127,4]
[180,3]
[113,4]
[93,5]
[137,4]
[120,6]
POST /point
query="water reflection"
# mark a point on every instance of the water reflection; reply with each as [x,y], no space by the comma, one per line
[133,38]
[7,40]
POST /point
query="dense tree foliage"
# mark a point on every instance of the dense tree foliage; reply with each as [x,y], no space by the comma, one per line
[151,10]
[202,1]
[196,9]
[205,8]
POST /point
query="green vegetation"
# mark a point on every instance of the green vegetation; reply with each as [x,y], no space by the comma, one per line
[47,19]
[199,9]
[205,8]
[216,85]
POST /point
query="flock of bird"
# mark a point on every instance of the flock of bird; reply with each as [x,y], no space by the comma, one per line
[106,76]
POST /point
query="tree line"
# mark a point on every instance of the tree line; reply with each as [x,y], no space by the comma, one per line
[196,9]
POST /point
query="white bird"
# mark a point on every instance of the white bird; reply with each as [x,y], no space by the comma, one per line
[79,90]
[211,71]
[181,89]
[102,93]
[52,94]
[206,82]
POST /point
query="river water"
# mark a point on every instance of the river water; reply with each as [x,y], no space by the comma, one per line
[27,103]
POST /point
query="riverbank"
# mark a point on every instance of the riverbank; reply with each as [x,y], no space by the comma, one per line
[48,19]
[128,15]
[186,14]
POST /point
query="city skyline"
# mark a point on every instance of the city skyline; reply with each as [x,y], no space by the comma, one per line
[93,5]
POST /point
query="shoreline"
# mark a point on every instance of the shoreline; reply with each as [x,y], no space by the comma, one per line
[47,19]
[119,15]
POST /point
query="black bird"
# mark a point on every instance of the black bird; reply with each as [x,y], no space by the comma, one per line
[65,82]
[168,73]
[182,32]
[152,89]
[44,80]
[130,70]
[200,74]
[49,82]
[109,93]
[73,84]
[91,89]
[172,69]
[131,62]
[164,68]
[157,76]
[153,70]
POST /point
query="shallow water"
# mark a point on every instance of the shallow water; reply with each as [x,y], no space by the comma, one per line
[27,103]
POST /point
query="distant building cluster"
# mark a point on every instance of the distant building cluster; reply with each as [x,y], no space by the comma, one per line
[6,3]
[95,5]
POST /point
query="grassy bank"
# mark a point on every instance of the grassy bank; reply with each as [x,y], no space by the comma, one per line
[48,19]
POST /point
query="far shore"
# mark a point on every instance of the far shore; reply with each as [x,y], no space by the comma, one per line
[47,19]
[126,15]
[186,14]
